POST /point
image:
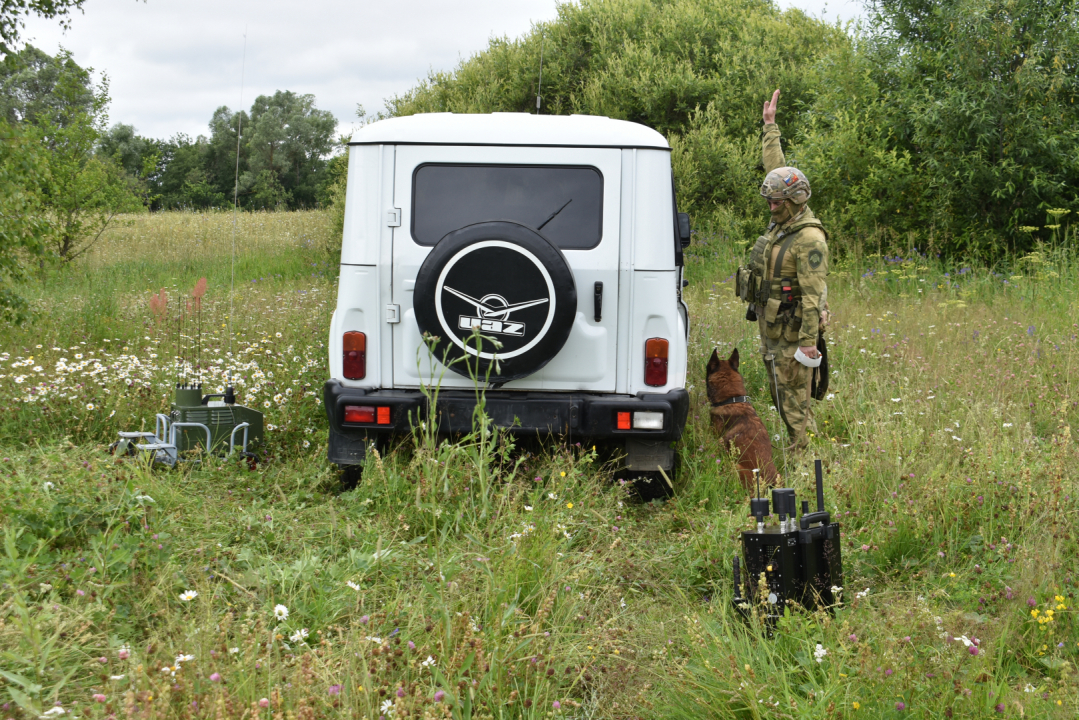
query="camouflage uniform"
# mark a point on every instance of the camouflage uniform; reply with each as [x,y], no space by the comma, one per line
[796,298]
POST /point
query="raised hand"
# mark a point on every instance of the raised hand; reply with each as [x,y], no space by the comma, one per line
[770,108]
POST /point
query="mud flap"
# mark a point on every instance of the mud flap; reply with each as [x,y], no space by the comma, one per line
[649,455]
[346,449]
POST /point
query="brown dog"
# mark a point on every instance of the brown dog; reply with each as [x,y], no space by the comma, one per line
[737,423]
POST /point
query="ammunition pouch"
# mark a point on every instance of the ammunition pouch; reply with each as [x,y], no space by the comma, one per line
[747,285]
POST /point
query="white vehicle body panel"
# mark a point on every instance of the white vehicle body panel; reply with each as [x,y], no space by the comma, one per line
[635,258]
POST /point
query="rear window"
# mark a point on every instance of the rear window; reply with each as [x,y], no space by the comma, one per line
[565,204]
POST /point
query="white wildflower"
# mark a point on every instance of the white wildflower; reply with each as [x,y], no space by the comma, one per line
[861,594]
[117,677]
[188,595]
[428,662]
[233,650]
[280,612]
[819,653]
[48,485]
[298,636]
[387,707]
[353,585]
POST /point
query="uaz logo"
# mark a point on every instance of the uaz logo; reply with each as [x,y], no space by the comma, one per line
[494,314]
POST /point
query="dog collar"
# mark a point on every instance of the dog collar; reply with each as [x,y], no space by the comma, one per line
[735,399]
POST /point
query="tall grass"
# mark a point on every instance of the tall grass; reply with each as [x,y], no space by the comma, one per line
[492,579]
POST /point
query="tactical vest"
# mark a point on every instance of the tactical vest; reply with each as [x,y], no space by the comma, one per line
[750,284]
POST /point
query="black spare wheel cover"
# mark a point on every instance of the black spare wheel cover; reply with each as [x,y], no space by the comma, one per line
[507,280]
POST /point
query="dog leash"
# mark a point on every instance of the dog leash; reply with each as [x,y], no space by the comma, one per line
[735,399]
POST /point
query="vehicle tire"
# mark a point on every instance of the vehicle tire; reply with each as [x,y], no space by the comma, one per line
[350,476]
[650,485]
[507,281]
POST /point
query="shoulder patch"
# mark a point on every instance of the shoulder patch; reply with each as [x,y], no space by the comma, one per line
[816,257]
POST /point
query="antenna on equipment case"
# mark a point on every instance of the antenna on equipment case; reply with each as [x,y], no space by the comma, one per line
[236,196]
[539,87]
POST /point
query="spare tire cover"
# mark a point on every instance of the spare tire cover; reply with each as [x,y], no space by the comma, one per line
[510,283]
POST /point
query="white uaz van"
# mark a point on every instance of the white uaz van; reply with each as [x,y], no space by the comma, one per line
[556,236]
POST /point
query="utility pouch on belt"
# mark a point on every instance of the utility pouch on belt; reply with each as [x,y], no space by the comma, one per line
[741,284]
[771,310]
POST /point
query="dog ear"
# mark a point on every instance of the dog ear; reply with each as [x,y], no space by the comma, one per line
[733,359]
[713,362]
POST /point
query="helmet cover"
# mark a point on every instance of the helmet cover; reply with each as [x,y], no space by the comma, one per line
[786,183]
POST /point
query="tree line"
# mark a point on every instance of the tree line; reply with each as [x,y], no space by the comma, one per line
[947,125]
[66,174]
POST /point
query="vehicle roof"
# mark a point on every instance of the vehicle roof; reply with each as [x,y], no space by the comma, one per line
[509,129]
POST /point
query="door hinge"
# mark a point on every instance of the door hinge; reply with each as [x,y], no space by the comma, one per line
[393,313]
[393,217]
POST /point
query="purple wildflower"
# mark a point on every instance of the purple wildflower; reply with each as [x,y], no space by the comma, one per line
[334,690]
[440,695]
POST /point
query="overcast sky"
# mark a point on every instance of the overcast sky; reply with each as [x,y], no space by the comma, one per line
[171,64]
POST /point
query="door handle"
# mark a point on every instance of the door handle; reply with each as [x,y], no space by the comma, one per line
[599,301]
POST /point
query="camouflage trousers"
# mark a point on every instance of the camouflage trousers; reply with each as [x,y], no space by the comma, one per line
[790,382]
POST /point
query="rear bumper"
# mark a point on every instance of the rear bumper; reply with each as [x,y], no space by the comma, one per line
[581,415]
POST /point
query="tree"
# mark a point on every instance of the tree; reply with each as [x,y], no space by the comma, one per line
[83,192]
[981,95]
[288,141]
[181,180]
[28,84]
[695,70]
[23,224]
[219,156]
[12,13]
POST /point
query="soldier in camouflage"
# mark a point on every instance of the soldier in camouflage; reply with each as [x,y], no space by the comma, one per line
[787,285]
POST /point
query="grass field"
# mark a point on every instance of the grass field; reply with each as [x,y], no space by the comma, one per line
[480,579]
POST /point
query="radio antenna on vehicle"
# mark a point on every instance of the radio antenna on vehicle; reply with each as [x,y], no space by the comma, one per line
[236,197]
[539,87]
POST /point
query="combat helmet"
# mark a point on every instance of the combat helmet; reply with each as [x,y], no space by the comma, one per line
[786,183]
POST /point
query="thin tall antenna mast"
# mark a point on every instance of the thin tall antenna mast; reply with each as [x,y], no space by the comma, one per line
[539,87]
[236,196]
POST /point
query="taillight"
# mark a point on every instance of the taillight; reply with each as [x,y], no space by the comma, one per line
[655,362]
[354,349]
[622,419]
[361,413]
[384,415]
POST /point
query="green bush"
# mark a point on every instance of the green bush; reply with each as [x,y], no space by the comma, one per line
[948,126]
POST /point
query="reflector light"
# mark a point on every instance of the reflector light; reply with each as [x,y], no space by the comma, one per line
[655,362]
[354,350]
[647,421]
[623,421]
[360,413]
[383,416]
